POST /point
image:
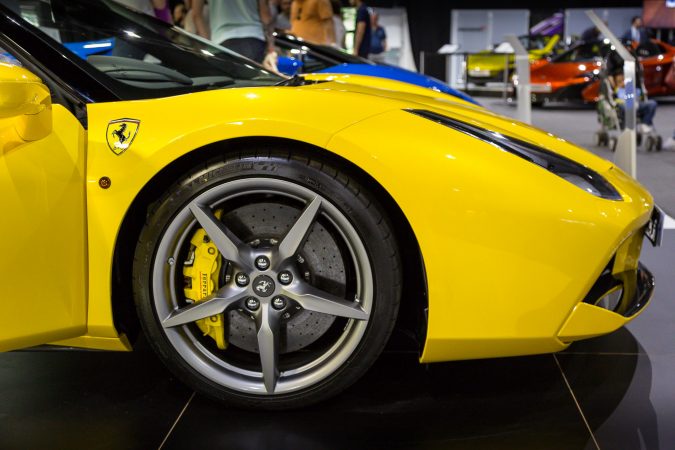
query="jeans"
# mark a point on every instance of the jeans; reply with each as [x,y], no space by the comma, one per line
[646,111]
[252,48]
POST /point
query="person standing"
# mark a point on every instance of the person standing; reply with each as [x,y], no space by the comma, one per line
[636,32]
[362,35]
[283,18]
[144,6]
[338,24]
[162,10]
[243,26]
[378,41]
[157,8]
[190,24]
[591,34]
[312,20]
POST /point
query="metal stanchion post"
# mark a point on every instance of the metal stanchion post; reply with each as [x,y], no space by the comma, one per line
[523,89]
[626,146]
[466,71]
[505,78]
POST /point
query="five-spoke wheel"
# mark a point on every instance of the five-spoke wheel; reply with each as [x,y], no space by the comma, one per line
[264,290]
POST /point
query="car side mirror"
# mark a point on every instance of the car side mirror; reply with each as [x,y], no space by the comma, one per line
[289,66]
[25,103]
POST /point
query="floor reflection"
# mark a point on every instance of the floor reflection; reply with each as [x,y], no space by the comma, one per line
[614,391]
[491,404]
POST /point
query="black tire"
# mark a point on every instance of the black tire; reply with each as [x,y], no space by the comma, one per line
[650,143]
[341,194]
[600,139]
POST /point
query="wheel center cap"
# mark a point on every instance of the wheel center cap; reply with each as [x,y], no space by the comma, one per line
[263,286]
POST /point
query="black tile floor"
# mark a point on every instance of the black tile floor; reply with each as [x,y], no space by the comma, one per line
[614,392]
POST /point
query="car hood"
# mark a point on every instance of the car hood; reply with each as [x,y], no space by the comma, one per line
[399,74]
[315,112]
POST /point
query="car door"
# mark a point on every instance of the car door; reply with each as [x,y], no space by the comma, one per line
[654,67]
[42,213]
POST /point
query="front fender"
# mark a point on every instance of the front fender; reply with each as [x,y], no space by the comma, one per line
[509,248]
[169,129]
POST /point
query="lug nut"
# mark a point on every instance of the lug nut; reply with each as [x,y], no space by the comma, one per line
[241,279]
[262,262]
[252,303]
[285,277]
[278,303]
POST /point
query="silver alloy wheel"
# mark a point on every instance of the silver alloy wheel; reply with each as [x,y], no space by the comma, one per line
[175,315]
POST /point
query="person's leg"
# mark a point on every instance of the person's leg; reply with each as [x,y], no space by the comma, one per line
[251,48]
[647,111]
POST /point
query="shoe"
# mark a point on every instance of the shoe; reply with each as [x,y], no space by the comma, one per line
[669,144]
[644,128]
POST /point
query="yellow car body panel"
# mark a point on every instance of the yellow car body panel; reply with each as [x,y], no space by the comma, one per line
[395,87]
[504,273]
[43,285]
[509,249]
[491,64]
[472,313]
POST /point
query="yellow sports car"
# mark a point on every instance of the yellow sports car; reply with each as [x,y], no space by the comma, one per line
[267,234]
[489,65]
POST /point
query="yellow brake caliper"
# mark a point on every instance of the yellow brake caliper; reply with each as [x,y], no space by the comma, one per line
[202,280]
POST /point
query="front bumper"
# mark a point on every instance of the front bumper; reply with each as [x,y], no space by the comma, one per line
[620,294]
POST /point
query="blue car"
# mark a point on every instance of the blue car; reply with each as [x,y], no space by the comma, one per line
[298,56]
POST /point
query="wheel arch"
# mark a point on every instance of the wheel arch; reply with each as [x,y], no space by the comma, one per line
[411,322]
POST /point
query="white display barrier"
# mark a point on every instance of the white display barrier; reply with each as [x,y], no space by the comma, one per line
[626,147]
[399,49]
[522,63]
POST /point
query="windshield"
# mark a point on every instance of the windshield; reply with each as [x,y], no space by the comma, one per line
[534,42]
[139,51]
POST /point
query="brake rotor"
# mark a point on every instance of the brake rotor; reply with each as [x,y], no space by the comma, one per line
[320,262]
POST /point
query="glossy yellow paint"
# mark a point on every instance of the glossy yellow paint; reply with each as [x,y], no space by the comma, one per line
[203,272]
[587,320]
[43,221]
[509,249]
[25,107]
[117,344]
[393,86]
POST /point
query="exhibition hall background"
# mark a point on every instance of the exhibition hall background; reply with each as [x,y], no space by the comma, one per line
[430,20]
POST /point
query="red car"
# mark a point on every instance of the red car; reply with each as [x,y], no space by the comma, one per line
[573,75]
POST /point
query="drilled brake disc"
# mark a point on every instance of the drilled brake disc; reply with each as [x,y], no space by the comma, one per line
[262,224]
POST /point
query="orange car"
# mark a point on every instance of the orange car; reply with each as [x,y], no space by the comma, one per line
[573,75]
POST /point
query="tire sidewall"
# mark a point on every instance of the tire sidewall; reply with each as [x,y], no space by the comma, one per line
[352,201]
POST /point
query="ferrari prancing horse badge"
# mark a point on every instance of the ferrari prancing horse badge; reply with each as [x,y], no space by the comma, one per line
[121,134]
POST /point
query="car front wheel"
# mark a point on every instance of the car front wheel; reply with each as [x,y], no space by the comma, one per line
[267,281]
